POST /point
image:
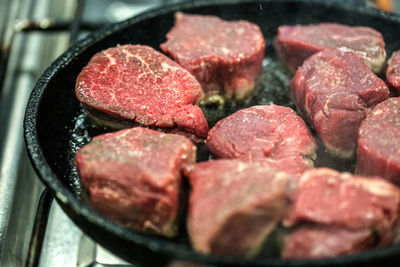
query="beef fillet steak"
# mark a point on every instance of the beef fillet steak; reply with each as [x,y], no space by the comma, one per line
[296,43]
[225,57]
[393,73]
[334,91]
[339,213]
[325,241]
[378,142]
[233,205]
[135,83]
[133,177]
[260,132]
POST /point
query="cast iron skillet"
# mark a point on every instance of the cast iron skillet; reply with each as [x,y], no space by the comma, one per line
[55,126]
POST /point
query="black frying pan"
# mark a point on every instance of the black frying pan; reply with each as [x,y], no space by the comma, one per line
[55,126]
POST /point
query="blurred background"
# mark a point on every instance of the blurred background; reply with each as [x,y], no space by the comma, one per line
[33,229]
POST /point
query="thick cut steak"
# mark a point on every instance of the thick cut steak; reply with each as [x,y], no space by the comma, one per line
[352,213]
[133,177]
[334,91]
[322,242]
[135,83]
[225,56]
[259,132]
[233,205]
[393,72]
[296,43]
[378,142]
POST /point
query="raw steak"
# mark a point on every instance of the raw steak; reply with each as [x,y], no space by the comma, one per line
[296,43]
[378,142]
[133,177]
[259,132]
[233,205]
[135,83]
[334,91]
[353,212]
[322,242]
[393,72]
[225,57]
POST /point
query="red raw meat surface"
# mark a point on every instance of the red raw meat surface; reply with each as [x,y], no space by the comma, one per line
[295,44]
[339,213]
[225,56]
[138,83]
[259,132]
[334,91]
[393,72]
[233,205]
[133,177]
[378,142]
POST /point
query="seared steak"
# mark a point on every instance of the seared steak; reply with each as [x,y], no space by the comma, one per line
[225,57]
[334,91]
[378,142]
[393,73]
[260,132]
[135,83]
[133,177]
[296,43]
[351,213]
[233,205]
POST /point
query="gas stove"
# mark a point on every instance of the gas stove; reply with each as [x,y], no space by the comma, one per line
[34,231]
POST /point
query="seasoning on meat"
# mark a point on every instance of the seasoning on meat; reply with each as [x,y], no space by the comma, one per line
[339,213]
[225,57]
[296,43]
[135,83]
[260,132]
[393,73]
[233,206]
[133,177]
[334,90]
[378,142]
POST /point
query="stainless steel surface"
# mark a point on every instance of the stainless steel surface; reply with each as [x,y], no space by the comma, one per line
[19,187]
[64,244]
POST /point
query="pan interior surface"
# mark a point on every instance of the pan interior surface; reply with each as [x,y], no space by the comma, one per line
[56,126]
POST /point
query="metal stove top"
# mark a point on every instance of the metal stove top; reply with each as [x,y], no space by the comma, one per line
[34,231]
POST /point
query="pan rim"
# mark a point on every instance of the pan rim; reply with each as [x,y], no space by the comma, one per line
[65,197]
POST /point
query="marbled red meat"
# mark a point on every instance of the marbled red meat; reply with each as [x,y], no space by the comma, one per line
[378,142]
[133,177]
[334,91]
[260,132]
[135,83]
[233,205]
[296,43]
[351,213]
[225,56]
[393,72]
